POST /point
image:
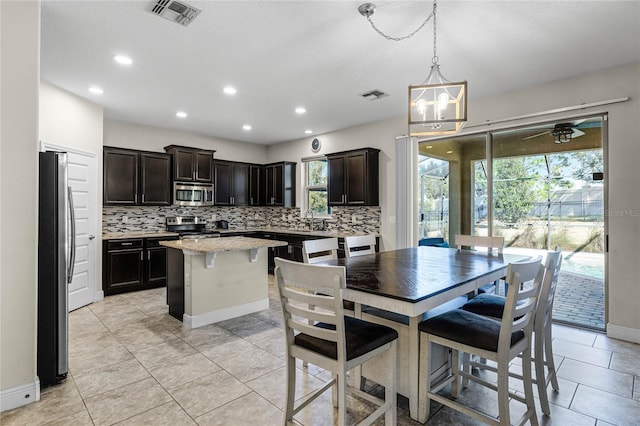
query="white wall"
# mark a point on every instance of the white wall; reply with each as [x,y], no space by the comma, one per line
[19,77]
[134,136]
[70,121]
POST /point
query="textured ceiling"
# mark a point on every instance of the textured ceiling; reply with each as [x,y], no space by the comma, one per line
[318,54]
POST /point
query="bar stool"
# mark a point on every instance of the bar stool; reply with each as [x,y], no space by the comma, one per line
[325,337]
[499,341]
[493,306]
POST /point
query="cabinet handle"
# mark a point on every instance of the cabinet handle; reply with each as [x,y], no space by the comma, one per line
[135,199]
[126,244]
[250,200]
[142,198]
[141,256]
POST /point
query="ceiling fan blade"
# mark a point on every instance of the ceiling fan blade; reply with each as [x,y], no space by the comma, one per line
[577,133]
[536,135]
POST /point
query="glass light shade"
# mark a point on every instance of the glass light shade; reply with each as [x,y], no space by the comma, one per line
[437,109]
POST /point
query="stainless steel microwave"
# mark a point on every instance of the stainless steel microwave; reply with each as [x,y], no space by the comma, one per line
[192,194]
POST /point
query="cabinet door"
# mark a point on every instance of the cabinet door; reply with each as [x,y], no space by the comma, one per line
[183,165]
[155,179]
[278,185]
[156,274]
[269,185]
[120,177]
[124,270]
[336,184]
[240,184]
[203,172]
[223,184]
[255,181]
[356,166]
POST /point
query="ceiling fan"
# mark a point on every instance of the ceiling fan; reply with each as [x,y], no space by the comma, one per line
[565,132]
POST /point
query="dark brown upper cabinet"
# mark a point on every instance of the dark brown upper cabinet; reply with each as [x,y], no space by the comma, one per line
[280,184]
[136,177]
[191,164]
[231,183]
[354,178]
[237,184]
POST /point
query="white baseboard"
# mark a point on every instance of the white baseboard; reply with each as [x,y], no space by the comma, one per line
[99,295]
[200,320]
[623,333]
[20,395]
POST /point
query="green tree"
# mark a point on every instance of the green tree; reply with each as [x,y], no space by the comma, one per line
[514,189]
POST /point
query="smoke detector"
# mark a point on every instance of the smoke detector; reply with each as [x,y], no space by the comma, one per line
[175,11]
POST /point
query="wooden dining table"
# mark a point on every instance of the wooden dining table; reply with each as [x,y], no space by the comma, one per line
[409,284]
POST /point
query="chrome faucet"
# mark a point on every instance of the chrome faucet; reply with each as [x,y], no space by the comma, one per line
[306,219]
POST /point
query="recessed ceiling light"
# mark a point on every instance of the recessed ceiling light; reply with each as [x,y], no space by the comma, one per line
[96,90]
[308,131]
[229,90]
[449,152]
[123,60]
[181,114]
[247,127]
[429,147]
[301,110]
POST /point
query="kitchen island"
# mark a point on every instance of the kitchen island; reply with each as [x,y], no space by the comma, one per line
[215,279]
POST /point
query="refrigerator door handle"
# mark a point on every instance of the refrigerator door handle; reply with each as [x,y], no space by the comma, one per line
[72,257]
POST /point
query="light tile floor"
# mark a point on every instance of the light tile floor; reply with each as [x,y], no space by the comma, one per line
[133,364]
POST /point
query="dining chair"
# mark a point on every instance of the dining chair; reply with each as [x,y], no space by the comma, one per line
[493,306]
[359,245]
[314,251]
[498,341]
[491,243]
[325,337]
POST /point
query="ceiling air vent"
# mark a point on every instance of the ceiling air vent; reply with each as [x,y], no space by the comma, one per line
[175,11]
[372,95]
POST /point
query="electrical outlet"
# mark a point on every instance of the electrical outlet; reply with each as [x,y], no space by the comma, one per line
[290,217]
[125,219]
[284,217]
[213,217]
[354,219]
[392,219]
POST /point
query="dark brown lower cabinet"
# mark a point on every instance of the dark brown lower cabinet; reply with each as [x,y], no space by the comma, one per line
[133,264]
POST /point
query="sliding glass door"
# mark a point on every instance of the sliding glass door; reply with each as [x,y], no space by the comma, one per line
[539,187]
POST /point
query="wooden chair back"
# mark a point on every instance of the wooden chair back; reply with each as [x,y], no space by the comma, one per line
[473,241]
[314,251]
[311,294]
[521,301]
[548,291]
[359,245]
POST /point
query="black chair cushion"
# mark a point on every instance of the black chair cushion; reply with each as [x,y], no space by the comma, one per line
[361,337]
[468,328]
[489,305]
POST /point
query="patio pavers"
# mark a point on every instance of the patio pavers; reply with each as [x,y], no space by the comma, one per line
[579,300]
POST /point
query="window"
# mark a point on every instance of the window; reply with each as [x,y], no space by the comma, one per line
[316,185]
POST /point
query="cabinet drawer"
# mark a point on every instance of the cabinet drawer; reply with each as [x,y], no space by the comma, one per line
[125,244]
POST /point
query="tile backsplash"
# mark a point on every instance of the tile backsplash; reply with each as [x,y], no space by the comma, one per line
[152,218]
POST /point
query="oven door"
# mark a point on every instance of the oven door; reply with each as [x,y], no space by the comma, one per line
[185,194]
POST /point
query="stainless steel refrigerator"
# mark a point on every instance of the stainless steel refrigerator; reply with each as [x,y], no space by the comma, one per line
[56,256]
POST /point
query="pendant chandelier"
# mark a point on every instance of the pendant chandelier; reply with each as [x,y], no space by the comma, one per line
[437,106]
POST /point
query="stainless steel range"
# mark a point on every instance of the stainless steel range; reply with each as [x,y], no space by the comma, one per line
[190,227]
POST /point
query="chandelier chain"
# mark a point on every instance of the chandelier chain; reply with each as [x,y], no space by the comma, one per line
[434,60]
[411,34]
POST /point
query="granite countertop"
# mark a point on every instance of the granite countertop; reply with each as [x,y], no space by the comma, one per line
[212,245]
[139,234]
